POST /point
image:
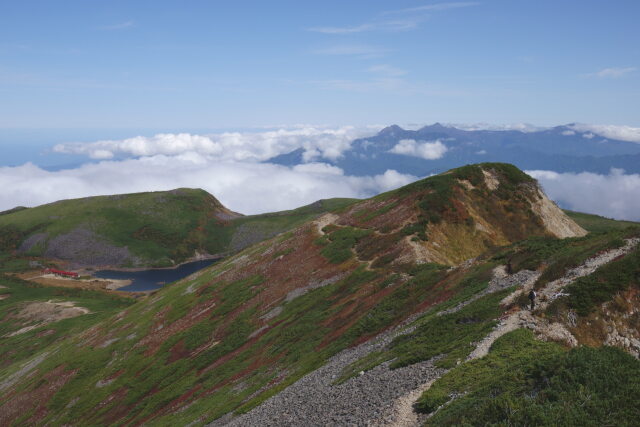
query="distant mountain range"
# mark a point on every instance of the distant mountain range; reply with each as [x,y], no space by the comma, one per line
[562,149]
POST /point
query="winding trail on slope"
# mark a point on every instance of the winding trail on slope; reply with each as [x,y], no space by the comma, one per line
[325,220]
[524,318]
[403,410]
[382,396]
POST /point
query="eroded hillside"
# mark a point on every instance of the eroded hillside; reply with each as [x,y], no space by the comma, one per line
[226,339]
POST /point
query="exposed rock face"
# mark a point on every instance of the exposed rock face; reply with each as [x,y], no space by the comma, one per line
[85,248]
[615,323]
[490,179]
[491,211]
[558,224]
[33,240]
[248,234]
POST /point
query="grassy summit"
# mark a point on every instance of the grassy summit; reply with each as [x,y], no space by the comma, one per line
[157,228]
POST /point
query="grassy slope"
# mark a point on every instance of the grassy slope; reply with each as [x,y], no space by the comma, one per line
[523,381]
[212,359]
[527,382]
[155,226]
[158,227]
[452,335]
[244,231]
[19,292]
[596,223]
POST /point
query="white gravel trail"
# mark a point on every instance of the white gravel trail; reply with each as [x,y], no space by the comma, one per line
[524,318]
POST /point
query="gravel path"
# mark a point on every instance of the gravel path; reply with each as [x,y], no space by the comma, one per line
[365,400]
[524,318]
[382,396]
[500,281]
[378,397]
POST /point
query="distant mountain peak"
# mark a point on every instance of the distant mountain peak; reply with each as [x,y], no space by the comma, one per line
[436,127]
[390,130]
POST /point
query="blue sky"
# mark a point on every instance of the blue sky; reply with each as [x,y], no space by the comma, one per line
[104,69]
[106,97]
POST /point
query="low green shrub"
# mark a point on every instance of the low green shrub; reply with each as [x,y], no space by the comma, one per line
[523,381]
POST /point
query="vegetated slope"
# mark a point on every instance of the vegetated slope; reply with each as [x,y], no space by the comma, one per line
[123,230]
[33,316]
[525,382]
[131,230]
[229,337]
[597,223]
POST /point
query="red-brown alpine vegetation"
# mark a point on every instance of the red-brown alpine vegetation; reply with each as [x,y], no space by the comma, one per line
[400,286]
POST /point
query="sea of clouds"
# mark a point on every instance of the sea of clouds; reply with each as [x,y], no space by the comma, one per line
[232,167]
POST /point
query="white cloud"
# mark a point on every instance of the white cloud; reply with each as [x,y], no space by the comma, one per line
[616,195]
[522,127]
[568,132]
[427,150]
[360,50]
[341,30]
[394,25]
[411,19]
[242,186]
[613,72]
[588,135]
[318,143]
[623,133]
[387,70]
[434,7]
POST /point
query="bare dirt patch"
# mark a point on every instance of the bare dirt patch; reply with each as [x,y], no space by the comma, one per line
[554,219]
[325,220]
[42,313]
[62,282]
[491,180]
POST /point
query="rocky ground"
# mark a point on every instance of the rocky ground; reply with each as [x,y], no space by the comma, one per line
[527,319]
[382,396]
[83,246]
[367,399]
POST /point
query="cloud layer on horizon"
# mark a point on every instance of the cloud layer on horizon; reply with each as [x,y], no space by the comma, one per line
[230,166]
[245,187]
[318,143]
[616,195]
[623,133]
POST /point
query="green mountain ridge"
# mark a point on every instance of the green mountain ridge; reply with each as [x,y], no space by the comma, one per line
[157,229]
[432,269]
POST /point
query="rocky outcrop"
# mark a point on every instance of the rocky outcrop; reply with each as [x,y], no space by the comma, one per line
[556,221]
[83,247]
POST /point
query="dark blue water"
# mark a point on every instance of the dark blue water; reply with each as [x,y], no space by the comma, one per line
[148,280]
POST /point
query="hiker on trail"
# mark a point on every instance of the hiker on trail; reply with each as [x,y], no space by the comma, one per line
[532,297]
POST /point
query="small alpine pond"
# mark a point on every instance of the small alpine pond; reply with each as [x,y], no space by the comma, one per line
[154,278]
